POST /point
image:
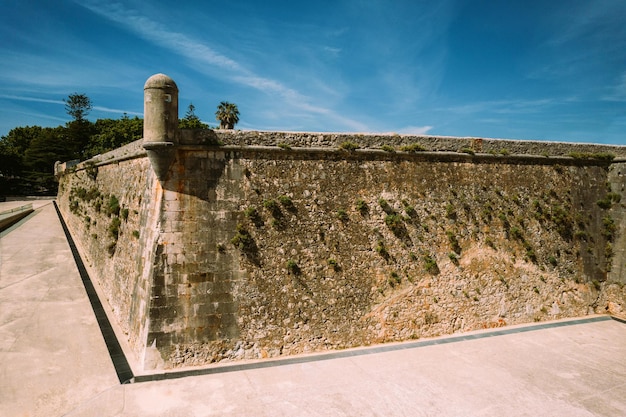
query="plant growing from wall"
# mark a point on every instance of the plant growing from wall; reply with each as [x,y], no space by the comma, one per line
[609,228]
[388,148]
[552,261]
[114,227]
[91,170]
[608,200]
[385,206]
[600,156]
[362,207]
[409,209]
[242,239]
[430,265]
[608,255]
[334,264]
[581,235]
[395,223]
[342,215]
[412,148]
[348,146]
[505,221]
[292,267]
[394,279]
[114,231]
[516,233]
[113,206]
[74,206]
[563,221]
[273,207]
[530,253]
[251,213]
[287,203]
[381,249]
[450,211]
[454,243]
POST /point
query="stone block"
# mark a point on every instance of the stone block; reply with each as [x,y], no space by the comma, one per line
[199,277]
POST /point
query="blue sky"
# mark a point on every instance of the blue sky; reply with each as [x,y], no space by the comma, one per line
[519,69]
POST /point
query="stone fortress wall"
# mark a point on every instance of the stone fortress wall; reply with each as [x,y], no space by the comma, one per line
[224,245]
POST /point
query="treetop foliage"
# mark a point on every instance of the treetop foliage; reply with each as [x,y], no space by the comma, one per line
[191,121]
[227,114]
[28,154]
[78,106]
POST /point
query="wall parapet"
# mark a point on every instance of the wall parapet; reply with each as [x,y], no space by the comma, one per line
[430,143]
[376,146]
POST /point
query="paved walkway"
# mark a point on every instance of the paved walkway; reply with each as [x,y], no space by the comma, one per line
[52,355]
[54,362]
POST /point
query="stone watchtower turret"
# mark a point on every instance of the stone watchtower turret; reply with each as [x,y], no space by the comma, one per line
[160,124]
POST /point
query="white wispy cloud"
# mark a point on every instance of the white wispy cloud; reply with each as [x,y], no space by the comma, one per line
[332,50]
[201,55]
[32,99]
[415,130]
[597,21]
[33,116]
[618,91]
[116,111]
[500,106]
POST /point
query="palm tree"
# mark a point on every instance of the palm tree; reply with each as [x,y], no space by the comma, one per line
[228,115]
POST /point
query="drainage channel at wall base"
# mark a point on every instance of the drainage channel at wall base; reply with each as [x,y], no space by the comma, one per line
[125,373]
[120,363]
[367,351]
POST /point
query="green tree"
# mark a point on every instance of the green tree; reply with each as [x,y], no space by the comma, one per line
[191,121]
[78,106]
[28,154]
[109,134]
[13,146]
[77,135]
[80,129]
[227,114]
[44,150]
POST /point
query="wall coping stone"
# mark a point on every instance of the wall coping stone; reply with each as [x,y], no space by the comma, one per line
[439,148]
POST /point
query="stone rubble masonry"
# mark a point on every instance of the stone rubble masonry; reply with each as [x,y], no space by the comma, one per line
[263,244]
[341,257]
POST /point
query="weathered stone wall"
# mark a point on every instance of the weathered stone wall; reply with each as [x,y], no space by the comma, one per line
[251,250]
[109,209]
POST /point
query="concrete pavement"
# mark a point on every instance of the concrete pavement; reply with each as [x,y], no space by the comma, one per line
[572,371]
[52,355]
[54,362]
